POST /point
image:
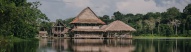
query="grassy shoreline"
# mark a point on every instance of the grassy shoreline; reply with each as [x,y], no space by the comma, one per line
[14,39]
[160,37]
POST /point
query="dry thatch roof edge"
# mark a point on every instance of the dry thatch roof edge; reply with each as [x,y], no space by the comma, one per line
[81,13]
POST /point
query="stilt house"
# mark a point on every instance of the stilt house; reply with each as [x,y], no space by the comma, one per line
[118,29]
[59,29]
[43,32]
[87,25]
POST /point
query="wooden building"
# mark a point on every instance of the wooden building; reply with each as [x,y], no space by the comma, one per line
[118,29]
[43,33]
[59,29]
[87,25]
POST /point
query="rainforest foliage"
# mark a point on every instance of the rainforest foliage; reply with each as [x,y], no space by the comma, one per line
[172,22]
[20,18]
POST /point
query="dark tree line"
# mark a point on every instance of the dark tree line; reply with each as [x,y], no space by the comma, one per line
[20,18]
[169,23]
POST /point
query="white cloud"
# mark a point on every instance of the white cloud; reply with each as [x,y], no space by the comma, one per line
[77,3]
[137,6]
[62,9]
[98,7]
[101,9]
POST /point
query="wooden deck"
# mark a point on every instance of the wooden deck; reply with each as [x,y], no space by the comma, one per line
[88,38]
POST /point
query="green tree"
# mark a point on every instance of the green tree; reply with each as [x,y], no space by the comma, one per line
[20,18]
[172,13]
[118,15]
[106,19]
[187,10]
[151,24]
[175,23]
[67,21]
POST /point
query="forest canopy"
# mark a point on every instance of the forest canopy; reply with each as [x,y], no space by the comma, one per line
[20,18]
[23,19]
[172,22]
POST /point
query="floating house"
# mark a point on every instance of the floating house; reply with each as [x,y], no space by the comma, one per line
[88,25]
[59,29]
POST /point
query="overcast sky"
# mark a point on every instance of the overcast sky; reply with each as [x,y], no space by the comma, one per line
[63,9]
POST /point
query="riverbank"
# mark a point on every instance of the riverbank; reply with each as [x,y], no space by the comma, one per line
[14,39]
[160,37]
[15,44]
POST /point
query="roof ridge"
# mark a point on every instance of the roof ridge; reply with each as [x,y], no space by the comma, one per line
[84,12]
[109,25]
[119,25]
[60,23]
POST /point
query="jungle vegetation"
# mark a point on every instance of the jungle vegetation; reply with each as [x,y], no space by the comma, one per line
[19,18]
[22,19]
[172,22]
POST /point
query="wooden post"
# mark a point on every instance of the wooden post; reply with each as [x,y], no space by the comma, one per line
[102,35]
[106,35]
[53,31]
[57,32]
[109,35]
[60,31]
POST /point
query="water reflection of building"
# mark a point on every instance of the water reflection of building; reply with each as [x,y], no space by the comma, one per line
[87,45]
[42,42]
[60,44]
[103,45]
[53,45]
[110,45]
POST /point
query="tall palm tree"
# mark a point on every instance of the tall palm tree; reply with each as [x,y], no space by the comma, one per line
[175,23]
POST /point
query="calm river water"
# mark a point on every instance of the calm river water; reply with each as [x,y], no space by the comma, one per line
[99,45]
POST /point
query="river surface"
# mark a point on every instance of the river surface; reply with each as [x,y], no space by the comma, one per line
[99,45]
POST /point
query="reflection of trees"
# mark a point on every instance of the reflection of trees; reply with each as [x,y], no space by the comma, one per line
[117,45]
[163,45]
[56,45]
[25,46]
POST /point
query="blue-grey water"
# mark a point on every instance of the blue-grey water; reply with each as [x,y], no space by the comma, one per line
[99,45]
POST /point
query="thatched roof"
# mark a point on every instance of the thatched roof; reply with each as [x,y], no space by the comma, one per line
[119,26]
[58,24]
[104,27]
[87,16]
